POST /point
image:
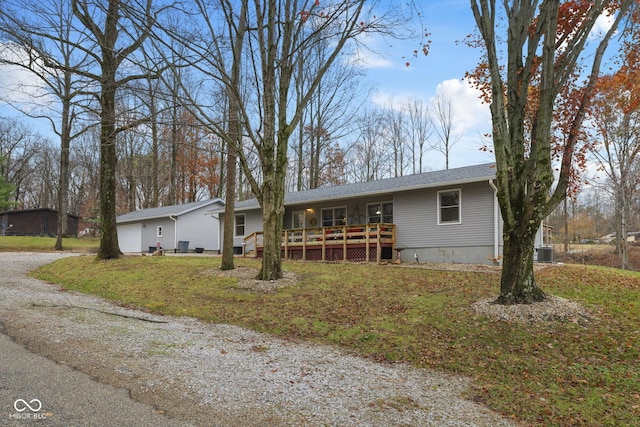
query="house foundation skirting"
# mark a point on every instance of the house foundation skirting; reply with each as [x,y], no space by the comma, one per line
[354,253]
[453,254]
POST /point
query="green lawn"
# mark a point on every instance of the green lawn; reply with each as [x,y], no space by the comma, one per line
[40,244]
[545,374]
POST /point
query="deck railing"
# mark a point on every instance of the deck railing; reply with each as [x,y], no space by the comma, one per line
[375,236]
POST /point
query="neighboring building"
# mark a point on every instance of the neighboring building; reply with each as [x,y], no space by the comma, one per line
[442,216]
[190,225]
[36,222]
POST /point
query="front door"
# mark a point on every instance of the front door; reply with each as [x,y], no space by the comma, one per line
[298,220]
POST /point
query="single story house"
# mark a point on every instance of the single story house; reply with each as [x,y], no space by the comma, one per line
[178,227]
[447,216]
[36,222]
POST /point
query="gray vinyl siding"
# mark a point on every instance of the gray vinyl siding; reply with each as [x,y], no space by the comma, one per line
[416,218]
[199,229]
[356,210]
[253,223]
[149,237]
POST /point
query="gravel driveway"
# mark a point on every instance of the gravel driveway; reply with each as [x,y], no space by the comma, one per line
[221,375]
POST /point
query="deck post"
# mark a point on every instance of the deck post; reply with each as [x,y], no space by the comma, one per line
[367,229]
[286,244]
[379,249]
[344,242]
[324,244]
[304,244]
[393,239]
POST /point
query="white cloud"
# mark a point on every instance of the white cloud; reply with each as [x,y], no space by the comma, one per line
[602,25]
[468,110]
[17,85]
[472,120]
[364,58]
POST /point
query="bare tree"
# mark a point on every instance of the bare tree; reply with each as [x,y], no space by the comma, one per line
[42,40]
[327,119]
[19,146]
[444,121]
[278,35]
[118,29]
[616,117]
[394,137]
[419,130]
[369,158]
[85,178]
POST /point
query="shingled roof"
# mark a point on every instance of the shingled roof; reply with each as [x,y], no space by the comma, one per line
[165,211]
[384,186]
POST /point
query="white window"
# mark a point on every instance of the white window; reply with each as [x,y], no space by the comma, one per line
[334,216]
[239,226]
[449,207]
[159,231]
[380,212]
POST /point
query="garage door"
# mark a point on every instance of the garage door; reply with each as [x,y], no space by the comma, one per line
[130,237]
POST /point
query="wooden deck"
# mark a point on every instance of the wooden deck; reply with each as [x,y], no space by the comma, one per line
[365,242]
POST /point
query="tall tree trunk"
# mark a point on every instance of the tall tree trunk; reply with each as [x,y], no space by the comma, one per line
[109,248]
[229,211]
[235,141]
[566,226]
[155,154]
[63,182]
[173,172]
[517,284]
[624,212]
[272,215]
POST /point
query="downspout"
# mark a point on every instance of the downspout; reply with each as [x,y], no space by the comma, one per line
[217,218]
[174,217]
[496,223]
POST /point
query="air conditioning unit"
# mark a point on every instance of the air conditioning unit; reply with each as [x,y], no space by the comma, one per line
[545,254]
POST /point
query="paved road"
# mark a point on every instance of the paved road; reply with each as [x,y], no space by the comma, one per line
[59,395]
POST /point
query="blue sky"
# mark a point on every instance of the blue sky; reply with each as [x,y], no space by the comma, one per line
[439,73]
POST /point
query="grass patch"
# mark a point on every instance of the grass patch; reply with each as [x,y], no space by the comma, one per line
[545,374]
[46,244]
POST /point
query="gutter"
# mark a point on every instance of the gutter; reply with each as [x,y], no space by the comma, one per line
[496,223]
